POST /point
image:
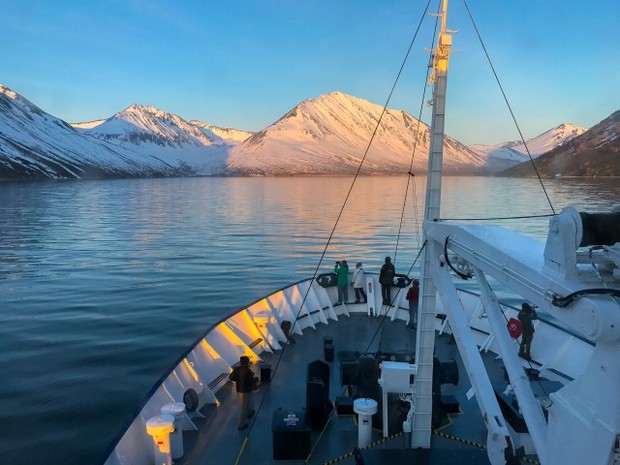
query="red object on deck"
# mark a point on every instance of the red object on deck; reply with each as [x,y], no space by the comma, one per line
[515,328]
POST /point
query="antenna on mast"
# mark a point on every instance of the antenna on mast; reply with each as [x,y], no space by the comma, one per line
[441,55]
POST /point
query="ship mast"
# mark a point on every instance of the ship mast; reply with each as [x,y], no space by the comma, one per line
[423,402]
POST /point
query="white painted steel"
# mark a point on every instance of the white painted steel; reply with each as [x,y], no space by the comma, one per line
[365,409]
[177,411]
[563,355]
[529,405]
[422,420]
[584,416]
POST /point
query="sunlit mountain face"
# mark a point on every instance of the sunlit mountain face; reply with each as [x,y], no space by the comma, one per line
[328,135]
[34,144]
[595,152]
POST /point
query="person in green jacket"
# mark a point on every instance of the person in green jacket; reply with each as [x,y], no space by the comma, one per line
[342,272]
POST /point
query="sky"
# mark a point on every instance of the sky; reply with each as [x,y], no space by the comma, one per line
[245,63]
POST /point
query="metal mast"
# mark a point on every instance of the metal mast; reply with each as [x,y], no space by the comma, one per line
[423,400]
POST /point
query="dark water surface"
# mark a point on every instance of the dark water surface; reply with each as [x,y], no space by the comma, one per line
[104,283]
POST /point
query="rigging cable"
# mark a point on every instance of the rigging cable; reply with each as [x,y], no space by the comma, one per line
[382,325]
[377,126]
[416,135]
[514,119]
[331,235]
[412,175]
[372,137]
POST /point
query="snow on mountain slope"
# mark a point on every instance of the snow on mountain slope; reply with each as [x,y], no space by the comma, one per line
[229,135]
[329,135]
[514,152]
[550,139]
[322,136]
[36,144]
[149,130]
[87,124]
[139,123]
[596,152]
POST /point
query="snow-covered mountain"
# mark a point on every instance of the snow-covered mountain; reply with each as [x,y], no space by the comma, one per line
[330,134]
[229,135]
[34,144]
[139,124]
[596,152]
[548,140]
[324,136]
[166,136]
[508,154]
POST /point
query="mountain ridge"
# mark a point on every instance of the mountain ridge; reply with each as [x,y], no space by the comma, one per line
[329,135]
[595,152]
[35,144]
[326,135]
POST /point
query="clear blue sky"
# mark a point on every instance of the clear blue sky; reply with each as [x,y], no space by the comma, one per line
[245,63]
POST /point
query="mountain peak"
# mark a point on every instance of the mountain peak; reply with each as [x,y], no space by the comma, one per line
[39,145]
[8,92]
[591,153]
[147,110]
[330,134]
[338,98]
[548,140]
[145,124]
[11,100]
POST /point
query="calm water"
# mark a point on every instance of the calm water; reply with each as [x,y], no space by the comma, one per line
[104,283]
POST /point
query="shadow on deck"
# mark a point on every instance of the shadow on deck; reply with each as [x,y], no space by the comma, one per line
[212,444]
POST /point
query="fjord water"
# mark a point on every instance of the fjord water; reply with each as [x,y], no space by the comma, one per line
[104,283]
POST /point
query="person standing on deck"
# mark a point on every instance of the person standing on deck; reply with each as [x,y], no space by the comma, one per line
[412,296]
[525,316]
[246,382]
[342,272]
[359,282]
[386,278]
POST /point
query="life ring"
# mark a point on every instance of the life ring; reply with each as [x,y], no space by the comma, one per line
[515,328]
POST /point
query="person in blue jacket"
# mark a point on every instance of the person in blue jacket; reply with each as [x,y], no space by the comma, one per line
[342,272]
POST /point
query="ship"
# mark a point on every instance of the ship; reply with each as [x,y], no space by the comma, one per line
[449,376]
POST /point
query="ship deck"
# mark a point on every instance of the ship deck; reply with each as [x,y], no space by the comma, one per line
[461,439]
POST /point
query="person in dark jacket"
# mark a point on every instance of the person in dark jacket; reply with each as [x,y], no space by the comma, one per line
[413,294]
[525,316]
[246,382]
[342,272]
[386,278]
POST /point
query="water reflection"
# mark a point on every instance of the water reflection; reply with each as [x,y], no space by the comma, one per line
[109,280]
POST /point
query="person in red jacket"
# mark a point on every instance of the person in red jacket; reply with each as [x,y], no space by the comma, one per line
[412,296]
